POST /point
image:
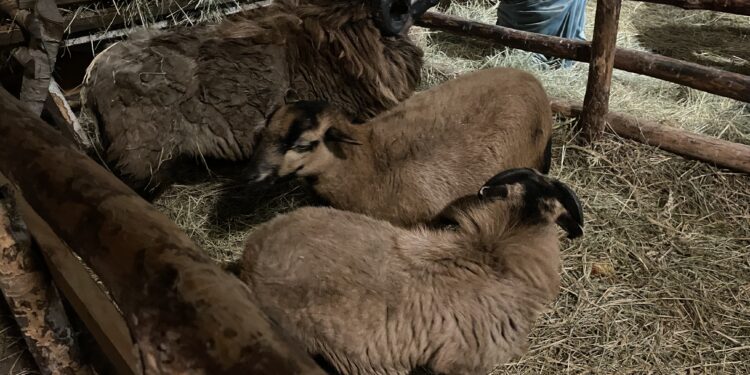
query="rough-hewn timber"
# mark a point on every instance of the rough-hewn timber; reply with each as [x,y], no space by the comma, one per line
[596,100]
[186,314]
[734,156]
[33,299]
[715,81]
[726,6]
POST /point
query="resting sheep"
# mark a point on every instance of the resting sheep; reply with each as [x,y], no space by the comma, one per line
[372,298]
[163,104]
[410,162]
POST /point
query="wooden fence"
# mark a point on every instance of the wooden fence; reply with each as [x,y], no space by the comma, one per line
[165,307]
[603,56]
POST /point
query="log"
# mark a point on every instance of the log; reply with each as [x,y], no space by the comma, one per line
[33,299]
[185,313]
[715,81]
[718,152]
[741,7]
[90,302]
[596,100]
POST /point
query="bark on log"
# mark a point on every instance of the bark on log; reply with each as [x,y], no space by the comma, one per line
[46,27]
[715,81]
[734,156]
[89,300]
[186,314]
[67,121]
[33,299]
[727,6]
[596,100]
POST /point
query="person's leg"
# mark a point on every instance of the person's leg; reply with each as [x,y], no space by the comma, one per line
[563,18]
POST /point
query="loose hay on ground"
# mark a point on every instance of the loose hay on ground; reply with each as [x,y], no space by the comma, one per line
[660,282]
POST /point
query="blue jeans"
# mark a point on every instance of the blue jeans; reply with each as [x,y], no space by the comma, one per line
[563,18]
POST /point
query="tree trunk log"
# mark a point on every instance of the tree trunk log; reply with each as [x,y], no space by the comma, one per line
[33,299]
[715,81]
[186,314]
[727,6]
[596,100]
[734,156]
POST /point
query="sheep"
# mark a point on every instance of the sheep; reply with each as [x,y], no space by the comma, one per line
[409,162]
[165,104]
[368,297]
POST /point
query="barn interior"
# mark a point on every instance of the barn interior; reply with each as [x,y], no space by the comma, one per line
[660,282]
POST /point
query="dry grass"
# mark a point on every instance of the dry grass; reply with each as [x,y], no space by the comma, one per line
[660,283]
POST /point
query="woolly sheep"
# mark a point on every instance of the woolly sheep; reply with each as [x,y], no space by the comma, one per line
[408,163]
[372,298]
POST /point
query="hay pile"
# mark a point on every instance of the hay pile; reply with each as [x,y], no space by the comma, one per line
[660,282]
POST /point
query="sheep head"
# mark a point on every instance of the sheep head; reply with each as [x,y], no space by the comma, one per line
[542,198]
[301,139]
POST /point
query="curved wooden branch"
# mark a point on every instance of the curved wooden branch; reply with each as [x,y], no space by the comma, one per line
[186,314]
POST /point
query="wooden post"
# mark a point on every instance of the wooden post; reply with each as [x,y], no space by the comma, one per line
[734,156]
[33,299]
[596,100]
[186,314]
[715,81]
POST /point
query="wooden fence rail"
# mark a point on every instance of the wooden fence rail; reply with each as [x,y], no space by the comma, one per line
[715,81]
[741,7]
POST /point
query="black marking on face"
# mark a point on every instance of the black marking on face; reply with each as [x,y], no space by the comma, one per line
[537,190]
[306,118]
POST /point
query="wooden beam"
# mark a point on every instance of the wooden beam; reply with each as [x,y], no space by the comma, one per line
[33,299]
[741,7]
[90,302]
[734,156]
[110,18]
[185,313]
[715,81]
[603,45]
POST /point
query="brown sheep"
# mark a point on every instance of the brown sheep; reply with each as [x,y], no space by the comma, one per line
[410,162]
[372,298]
[165,103]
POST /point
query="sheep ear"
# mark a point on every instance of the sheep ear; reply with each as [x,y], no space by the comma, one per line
[336,135]
[572,220]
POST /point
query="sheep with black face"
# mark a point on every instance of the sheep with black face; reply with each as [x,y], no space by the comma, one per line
[372,298]
[167,104]
[408,163]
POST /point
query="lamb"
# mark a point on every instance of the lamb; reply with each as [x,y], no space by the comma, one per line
[165,104]
[368,297]
[408,163]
